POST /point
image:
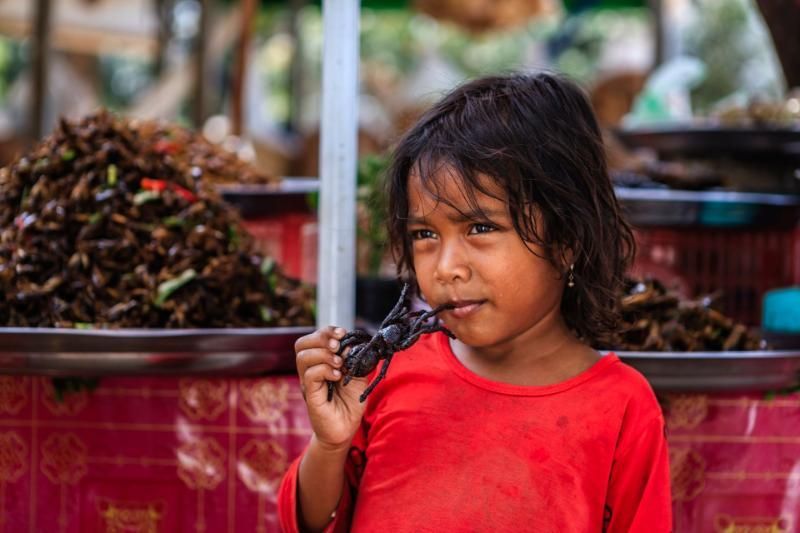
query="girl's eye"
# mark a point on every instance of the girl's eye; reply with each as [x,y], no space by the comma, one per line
[481,228]
[420,234]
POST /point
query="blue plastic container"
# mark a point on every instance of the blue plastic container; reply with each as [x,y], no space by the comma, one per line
[728,214]
[781,310]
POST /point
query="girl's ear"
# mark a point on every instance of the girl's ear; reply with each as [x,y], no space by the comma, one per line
[566,258]
[569,257]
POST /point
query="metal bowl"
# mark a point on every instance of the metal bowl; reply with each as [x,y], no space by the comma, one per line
[64,352]
[717,371]
[729,209]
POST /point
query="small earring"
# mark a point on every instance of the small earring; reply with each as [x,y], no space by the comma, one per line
[571,282]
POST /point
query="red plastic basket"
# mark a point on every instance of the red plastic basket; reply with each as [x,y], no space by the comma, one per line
[291,239]
[742,264]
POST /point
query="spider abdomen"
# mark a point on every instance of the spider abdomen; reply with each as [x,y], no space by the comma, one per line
[361,364]
[392,334]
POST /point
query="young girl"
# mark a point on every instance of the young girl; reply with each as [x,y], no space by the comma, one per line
[501,204]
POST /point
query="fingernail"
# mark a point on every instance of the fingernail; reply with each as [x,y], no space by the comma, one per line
[337,373]
[337,360]
[340,332]
[333,344]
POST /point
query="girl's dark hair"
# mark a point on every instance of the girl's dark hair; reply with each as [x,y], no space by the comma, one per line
[537,138]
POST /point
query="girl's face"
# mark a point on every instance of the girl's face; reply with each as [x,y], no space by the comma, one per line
[501,289]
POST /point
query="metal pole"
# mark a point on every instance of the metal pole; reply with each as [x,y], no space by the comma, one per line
[41,51]
[338,152]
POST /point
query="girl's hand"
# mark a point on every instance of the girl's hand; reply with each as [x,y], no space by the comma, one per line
[335,422]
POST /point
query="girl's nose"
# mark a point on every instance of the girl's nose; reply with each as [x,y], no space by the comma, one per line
[453,264]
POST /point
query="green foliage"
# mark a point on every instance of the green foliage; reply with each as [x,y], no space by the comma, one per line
[371,197]
[13,58]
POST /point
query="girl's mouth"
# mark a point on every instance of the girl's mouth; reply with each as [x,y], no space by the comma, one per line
[464,308]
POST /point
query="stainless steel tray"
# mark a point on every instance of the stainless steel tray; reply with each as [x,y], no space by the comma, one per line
[228,352]
[708,140]
[668,207]
[717,371]
[288,195]
[147,351]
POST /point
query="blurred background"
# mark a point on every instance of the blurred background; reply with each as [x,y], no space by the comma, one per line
[252,69]
[247,75]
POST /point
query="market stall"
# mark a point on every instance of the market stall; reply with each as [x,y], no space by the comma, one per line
[716,214]
[200,453]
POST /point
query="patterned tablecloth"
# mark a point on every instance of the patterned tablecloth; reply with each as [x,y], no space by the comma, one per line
[174,455]
[735,462]
[147,455]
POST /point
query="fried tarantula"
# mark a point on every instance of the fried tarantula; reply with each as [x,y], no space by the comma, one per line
[398,331]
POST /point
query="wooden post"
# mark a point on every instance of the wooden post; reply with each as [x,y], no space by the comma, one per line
[162,10]
[39,61]
[657,10]
[200,68]
[783,20]
[240,68]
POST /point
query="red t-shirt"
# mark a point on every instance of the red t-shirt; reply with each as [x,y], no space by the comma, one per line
[442,449]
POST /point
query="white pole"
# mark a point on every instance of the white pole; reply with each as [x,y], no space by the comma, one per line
[338,152]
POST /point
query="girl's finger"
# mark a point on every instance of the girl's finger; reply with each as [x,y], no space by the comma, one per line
[316,378]
[315,356]
[320,338]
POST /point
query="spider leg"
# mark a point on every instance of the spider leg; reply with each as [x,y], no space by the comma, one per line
[331,386]
[353,338]
[353,353]
[381,375]
[415,314]
[357,334]
[372,342]
[411,340]
[436,326]
[420,321]
[397,309]
[446,332]
[425,329]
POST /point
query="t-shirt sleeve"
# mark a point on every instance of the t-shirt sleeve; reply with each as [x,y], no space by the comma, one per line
[287,492]
[639,489]
[287,504]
